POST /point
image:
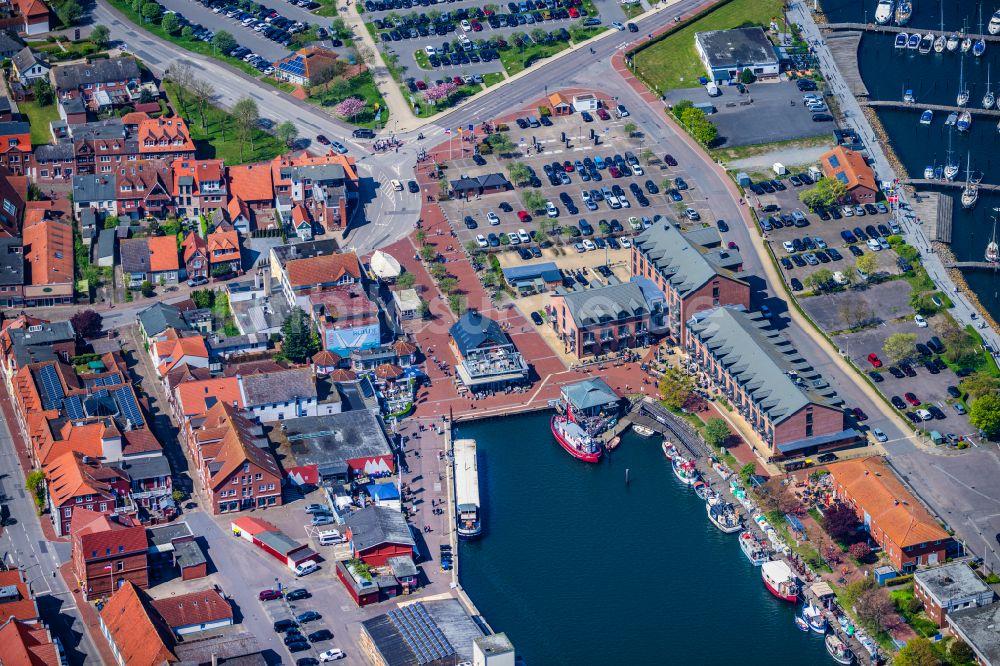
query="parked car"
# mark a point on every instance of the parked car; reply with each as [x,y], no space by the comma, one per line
[300,593]
[874,360]
[269,595]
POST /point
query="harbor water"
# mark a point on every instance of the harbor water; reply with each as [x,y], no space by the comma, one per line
[934,79]
[578,567]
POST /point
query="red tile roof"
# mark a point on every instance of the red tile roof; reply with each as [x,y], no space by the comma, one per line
[237,445]
[199,170]
[223,246]
[237,208]
[163,253]
[300,216]
[849,167]
[96,536]
[202,607]
[325,268]
[251,182]
[48,252]
[253,526]
[68,476]
[24,607]
[197,397]
[192,243]
[139,635]
[164,135]
[26,645]
[172,351]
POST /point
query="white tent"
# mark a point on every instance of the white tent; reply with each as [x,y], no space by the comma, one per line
[385,266]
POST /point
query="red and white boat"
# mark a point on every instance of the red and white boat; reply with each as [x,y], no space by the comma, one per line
[669,450]
[575,440]
[780,580]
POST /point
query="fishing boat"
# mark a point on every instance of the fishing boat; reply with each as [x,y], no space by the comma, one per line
[754,548]
[685,470]
[914,41]
[779,580]
[642,430]
[701,489]
[927,117]
[468,515]
[901,39]
[909,97]
[926,42]
[613,443]
[575,440]
[801,624]
[951,119]
[904,10]
[979,48]
[883,12]
[970,193]
[669,450]
[813,615]
[724,516]
[994,24]
[964,121]
[952,42]
[838,650]
[992,249]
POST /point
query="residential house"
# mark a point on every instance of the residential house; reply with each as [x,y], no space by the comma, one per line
[251,183]
[11,272]
[239,216]
[155,320]
[136,633]
[178,350]
[691,275]
[604,318]
[165,138]
[377,533]
[309,267]
[194,251]
[224,252]
[28,644]
[78,481]
[48,257]
[153,258]
[108,551]
[25,340]
[326,185]
[851,169]
[16,600]
[15,146]
[194,612]
[894,518]
[10,45]
[949,588]
[29,66]
[199,186]
[787,403]
[52,163]
[143,190]
[101,83]
[488,360]
[35,16]
[103,146]
[193,399]
[279,394]
[99,192]
[346,318]
[305,66]
[301,223]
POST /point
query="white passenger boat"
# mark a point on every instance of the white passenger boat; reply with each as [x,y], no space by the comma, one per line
[883,12]
[467,489]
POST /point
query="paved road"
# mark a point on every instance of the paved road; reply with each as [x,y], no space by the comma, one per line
[23,544]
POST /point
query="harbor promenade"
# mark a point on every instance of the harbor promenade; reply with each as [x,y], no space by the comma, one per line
[938,108]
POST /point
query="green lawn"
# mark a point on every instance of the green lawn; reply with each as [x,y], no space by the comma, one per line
[423,62]
[493,78]
[39,117]
[672,62]
[362,86]
[515,60]
[283,86]
[218,139]
[426,109]
[631,11]
[920,623]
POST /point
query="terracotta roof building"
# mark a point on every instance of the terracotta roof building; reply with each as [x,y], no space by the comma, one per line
[199,186]
[136,634]
[143,189]
[894,518]
[23,644]
[178,350]
[35,15]
[16,600]
[154,258]
[252,184]
[224,250]
[48,262]
[305,65]
[15,146]
[107,552]
[76,481]
[310,267]
[194,612]
[197,397]
[851,169]
[164,138]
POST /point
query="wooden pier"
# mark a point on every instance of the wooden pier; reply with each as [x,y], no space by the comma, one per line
[973,265]
[895,29]
[844,49]
[935,211]
[983,187]
[937,108]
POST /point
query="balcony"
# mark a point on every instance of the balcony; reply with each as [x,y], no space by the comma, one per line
[150,493]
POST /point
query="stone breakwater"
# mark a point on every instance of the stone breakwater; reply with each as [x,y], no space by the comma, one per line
[883,137]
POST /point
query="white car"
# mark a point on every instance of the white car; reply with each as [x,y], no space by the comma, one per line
[305,568]
[613,201]
[430,50]
[634,223]
[626,243]
[586,196]
[624,202]
[847,211]
[637,170]
[789,247]
[924,415]
[492,218]
[332,655]
[820,243]
[551,210]
[523,235]
[618,25]
[879,435]
[465,26]
[692,214]
[874,245]
[920,321]
[481,241]
[514,240]
[589,244]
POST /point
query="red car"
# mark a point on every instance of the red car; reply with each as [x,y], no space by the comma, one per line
[322,139]
[568,166]
[912,399]
[574,12]
[421,85]
[615,171]
[859,414]
[269,595]
[477,26]
[457,80]
[523,216]
[603,115]
[733,246]
[874,360]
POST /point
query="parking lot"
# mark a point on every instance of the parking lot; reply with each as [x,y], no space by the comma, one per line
[542,146]
[749,118]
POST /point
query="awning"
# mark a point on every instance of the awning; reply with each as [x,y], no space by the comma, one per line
[385,265]
[822,589]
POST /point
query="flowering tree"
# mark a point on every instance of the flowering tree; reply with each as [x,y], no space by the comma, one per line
[440,91]
[350,107]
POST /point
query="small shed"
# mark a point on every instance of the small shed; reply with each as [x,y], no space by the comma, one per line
[884,574]
[560,105]
[743,179]
[937,437]
[407,303]
[586,102]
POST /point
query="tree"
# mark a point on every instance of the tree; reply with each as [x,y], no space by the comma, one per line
[448,285]
[287,132]
[187,32]
[985,415]
[538,35]
[675,388]
[876,610]
[679,108]
[979,384]
[820,279]
[350,107]
[428,253]
[424,309]
[747,471]
[171,24]
[457,304]
[646,155]
[747,77]
[437,271]
[959,344]
[224,42]
[840,521]
[698,124]
[406,281]
[146,288]
[917,652]
[518,172]
[111,222]
[867,264]
[860,550]
[826,193]
[501,143]
[900,347]
[151,11]
[202,92]
[247,116]
[86,323]
[35,484]
[629,128]
[43,92]
[181,74]
[203,298]
[440,91]
[300,343]
[421,236]
[960,652]
[70,12]
[716,432]
[775,496]
[533,200]
[100,36]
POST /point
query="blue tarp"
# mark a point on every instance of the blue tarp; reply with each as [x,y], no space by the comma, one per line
[795,523]
[383,491]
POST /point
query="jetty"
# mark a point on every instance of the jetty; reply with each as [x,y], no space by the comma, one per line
[844,49]
[983,187]
[973,265]
[935,211]
[943,108]
[895,29]
[677,430]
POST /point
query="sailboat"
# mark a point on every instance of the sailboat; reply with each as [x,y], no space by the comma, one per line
[966,40]
[963,92]
[964,121]
[950,165]
[979,48]
[992,249]
[994,25]
[883,11]
[989,99]
[970,193]
[904,10]
[939,43]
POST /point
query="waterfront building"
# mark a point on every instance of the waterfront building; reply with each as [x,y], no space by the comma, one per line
[346,318]
[691,270]
[948,588]
[488,360]
[338,448]
[377,534]
[978,628]
[607,318]
[495,650]
[590,397]
[727,53]
[893,517]
[777,393]
[851,169]
[449,630]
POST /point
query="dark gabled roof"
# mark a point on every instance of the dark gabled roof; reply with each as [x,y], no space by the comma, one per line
[54,152]
[677,258]
[106,243]
[473,331]
[280,386]
[93,188]
[135,255]
[9,43]
[606,304]
[71,77]
[11,262]
[25,59]
[12,127]
[158,317]
[34,343]
[376,525]
[484,181]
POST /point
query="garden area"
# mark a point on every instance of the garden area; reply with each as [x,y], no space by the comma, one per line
[39,116]
[361,87]
[671,61]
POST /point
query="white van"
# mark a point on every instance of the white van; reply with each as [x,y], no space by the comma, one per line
[305,568]
[330,538]
[712,89]
[396,185]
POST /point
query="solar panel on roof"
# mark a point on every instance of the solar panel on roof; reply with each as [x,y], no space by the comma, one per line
[52,391]
[128,407]
[74,407]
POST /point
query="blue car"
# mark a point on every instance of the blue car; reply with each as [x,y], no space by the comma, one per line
[599,161]
[675,195]
[848,236]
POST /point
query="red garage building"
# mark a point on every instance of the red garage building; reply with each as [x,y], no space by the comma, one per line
[273,541]
[377,533]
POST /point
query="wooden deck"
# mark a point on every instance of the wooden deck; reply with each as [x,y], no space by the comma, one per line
[935,211]
[937,108]
[983,187]
[844,49]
